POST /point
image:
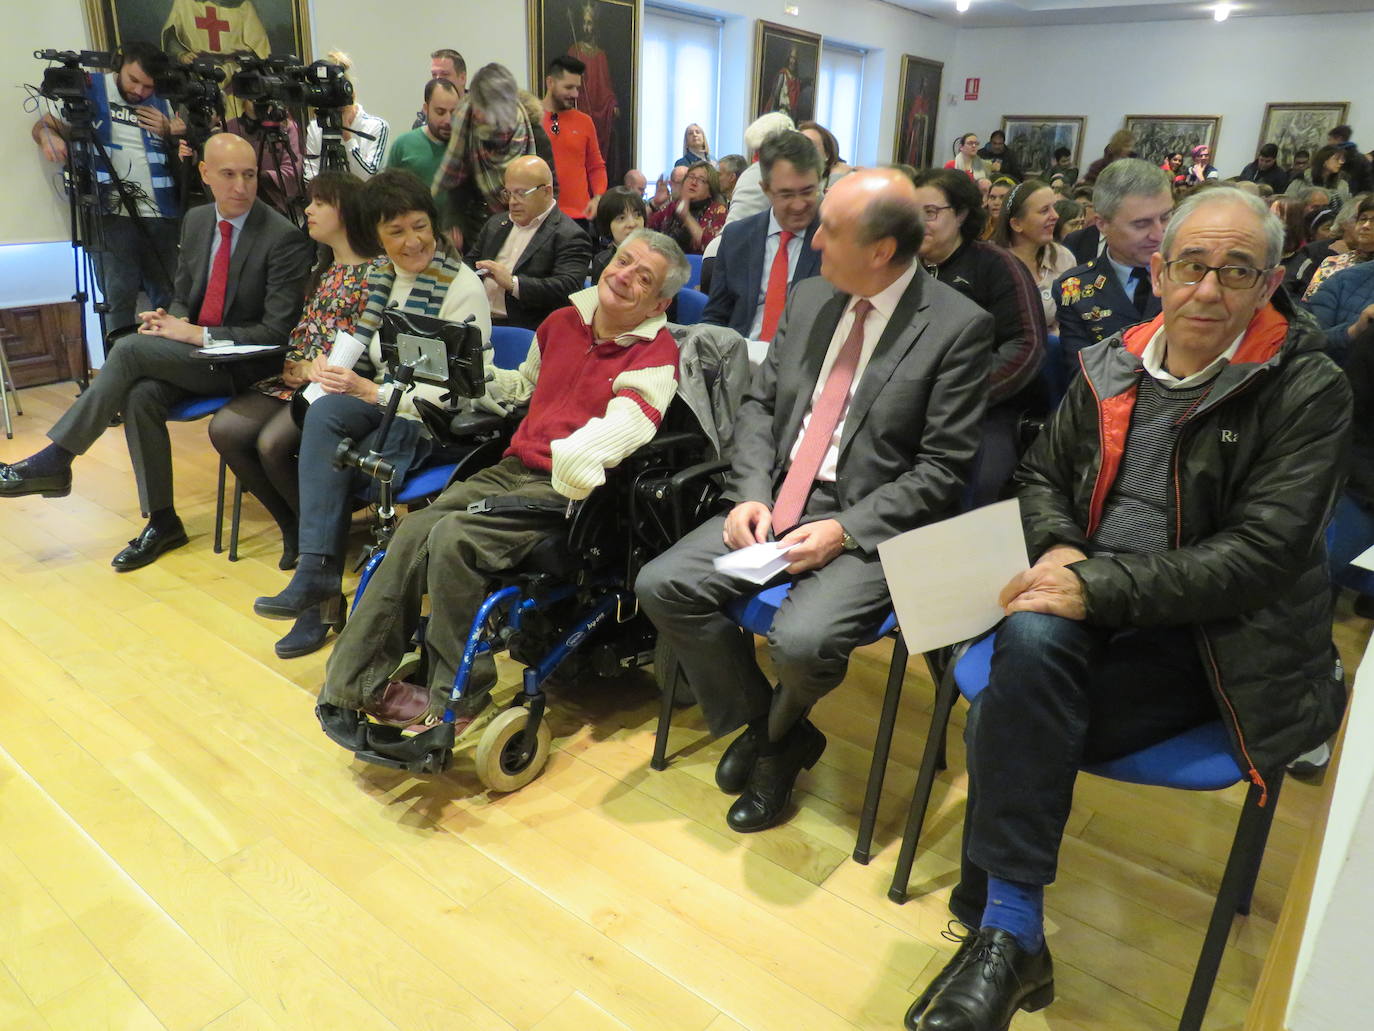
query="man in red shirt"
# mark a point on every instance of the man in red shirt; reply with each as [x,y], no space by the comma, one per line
[577,158]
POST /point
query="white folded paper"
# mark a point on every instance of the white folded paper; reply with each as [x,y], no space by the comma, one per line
[344,354]
[1365,560]
[945,578]
[237,348]
[757,563]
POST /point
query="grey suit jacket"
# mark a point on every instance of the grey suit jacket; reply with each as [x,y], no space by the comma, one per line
[912,427]
[552,266]
[267,275]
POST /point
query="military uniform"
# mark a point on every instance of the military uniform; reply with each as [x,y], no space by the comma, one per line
[1092,306]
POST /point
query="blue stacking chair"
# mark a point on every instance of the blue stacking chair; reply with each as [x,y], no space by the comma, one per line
[509,345]
[691,305]
[755,613]
[1199,759]
[191,409]
[695,261]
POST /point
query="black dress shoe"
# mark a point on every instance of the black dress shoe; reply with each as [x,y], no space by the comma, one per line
[15,482]
[996,979]
[769,787]
[966,938]
[732,772]
[149,544]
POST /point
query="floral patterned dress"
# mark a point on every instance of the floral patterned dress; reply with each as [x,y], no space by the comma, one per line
[709,213]
[336,304]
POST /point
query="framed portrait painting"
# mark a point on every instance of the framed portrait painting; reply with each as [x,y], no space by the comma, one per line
[1033,139]
[787,65]
[603,35]
[1158,136]
[918,105]
[1294,127]
[195,28]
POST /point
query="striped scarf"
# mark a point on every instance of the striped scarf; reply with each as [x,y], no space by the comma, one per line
[479,152]
[426,296]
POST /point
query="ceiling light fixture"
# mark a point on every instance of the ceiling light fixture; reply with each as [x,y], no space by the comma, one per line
[1222,11]
[961,5]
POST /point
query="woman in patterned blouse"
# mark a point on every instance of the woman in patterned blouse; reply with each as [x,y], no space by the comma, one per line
[255,432]
[699,217]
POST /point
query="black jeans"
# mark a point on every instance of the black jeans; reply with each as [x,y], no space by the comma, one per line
[1062,694]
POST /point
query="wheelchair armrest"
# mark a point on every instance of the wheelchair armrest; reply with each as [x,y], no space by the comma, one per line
[476,424]
[669,441]
[700,471]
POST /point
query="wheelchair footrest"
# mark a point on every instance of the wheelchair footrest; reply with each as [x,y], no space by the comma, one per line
[430,751]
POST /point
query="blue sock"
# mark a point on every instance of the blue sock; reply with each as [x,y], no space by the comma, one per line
[1018,909]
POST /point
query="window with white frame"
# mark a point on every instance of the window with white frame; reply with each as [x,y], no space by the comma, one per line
[679,79]
[840,95]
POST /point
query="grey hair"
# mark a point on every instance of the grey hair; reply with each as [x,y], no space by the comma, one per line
[764,127]
[495,93]
[660,243]
[1269,223]
[1348,211]
[1127,177]
[736,163]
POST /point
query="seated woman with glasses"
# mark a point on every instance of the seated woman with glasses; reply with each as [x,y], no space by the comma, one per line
[1343,302]
[997,282]
[1353,245]
[696,219]
[618,214]
[1026,227]
[966,158]
[1201,170]
[255,431]
[424,275]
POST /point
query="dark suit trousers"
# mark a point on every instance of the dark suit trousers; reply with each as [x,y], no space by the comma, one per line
[142,377]
[1062,694]
[826,615]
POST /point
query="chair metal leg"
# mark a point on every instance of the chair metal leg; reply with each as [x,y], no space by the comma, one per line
[219,507]
[945,695]
[938,663]
[1252,831]
[665,720]
[234,521]
[6,389]
[1275,782]
[882,745]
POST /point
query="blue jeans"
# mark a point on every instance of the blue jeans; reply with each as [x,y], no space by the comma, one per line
[127,263]
[1062,694]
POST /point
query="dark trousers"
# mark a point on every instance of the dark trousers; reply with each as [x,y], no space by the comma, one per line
[130,260]
[142,377]
[324,490]
[259,440]
[826,614]
[451,554]
[1062,695]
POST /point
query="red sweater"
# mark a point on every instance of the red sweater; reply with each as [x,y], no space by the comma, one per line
[577,161]
[593,403]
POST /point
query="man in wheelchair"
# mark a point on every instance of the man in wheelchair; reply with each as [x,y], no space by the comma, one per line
[602,373]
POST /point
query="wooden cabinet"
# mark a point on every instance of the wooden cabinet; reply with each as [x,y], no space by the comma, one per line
[43,343]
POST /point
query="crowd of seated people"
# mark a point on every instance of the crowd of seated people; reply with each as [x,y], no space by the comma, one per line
[904,318]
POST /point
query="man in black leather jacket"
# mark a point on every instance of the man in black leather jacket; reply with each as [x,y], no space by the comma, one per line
[1176,506]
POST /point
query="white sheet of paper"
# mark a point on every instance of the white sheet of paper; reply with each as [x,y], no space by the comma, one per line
[1365,560]
[758,351]
[757,563]
[344,354]
[237,348]
[945,578]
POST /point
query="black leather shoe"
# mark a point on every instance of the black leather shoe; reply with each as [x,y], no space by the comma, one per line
[148,545]
[732,772]
[965,936]
[996,979]
[14,483]
[769,787]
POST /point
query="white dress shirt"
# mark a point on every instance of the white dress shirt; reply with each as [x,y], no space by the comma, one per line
[510,253]
[1156,350]
[237,223]
[770,250]
[884,304]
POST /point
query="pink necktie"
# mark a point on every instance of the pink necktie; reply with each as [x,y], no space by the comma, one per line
[212,305]
[825,416]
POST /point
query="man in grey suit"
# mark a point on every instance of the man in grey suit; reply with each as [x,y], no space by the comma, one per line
[240,277]
[862,423]
[761,257]
[534,256]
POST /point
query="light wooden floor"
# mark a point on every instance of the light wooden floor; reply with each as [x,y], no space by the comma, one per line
[181,848]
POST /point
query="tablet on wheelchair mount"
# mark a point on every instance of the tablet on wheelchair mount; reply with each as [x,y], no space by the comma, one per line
[447,354]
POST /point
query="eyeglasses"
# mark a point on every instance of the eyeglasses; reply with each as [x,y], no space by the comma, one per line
[932,211]
[508,195]
[553,122]
[698,179]
[1365,220]
[787,196]
[1187,272]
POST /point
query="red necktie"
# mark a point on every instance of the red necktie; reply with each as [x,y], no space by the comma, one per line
[825,416]
[212,306]
[776,296]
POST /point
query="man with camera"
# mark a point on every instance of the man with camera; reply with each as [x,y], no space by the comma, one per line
[241,278]
[140,209]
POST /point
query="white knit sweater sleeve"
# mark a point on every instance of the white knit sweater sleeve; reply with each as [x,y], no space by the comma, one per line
[580,459]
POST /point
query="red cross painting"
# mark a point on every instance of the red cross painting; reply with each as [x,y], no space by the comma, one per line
[213,26]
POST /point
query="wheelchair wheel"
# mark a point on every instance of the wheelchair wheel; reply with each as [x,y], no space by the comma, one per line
[500,765]
[668,674]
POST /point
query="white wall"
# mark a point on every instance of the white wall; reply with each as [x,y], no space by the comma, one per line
[1230,69]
